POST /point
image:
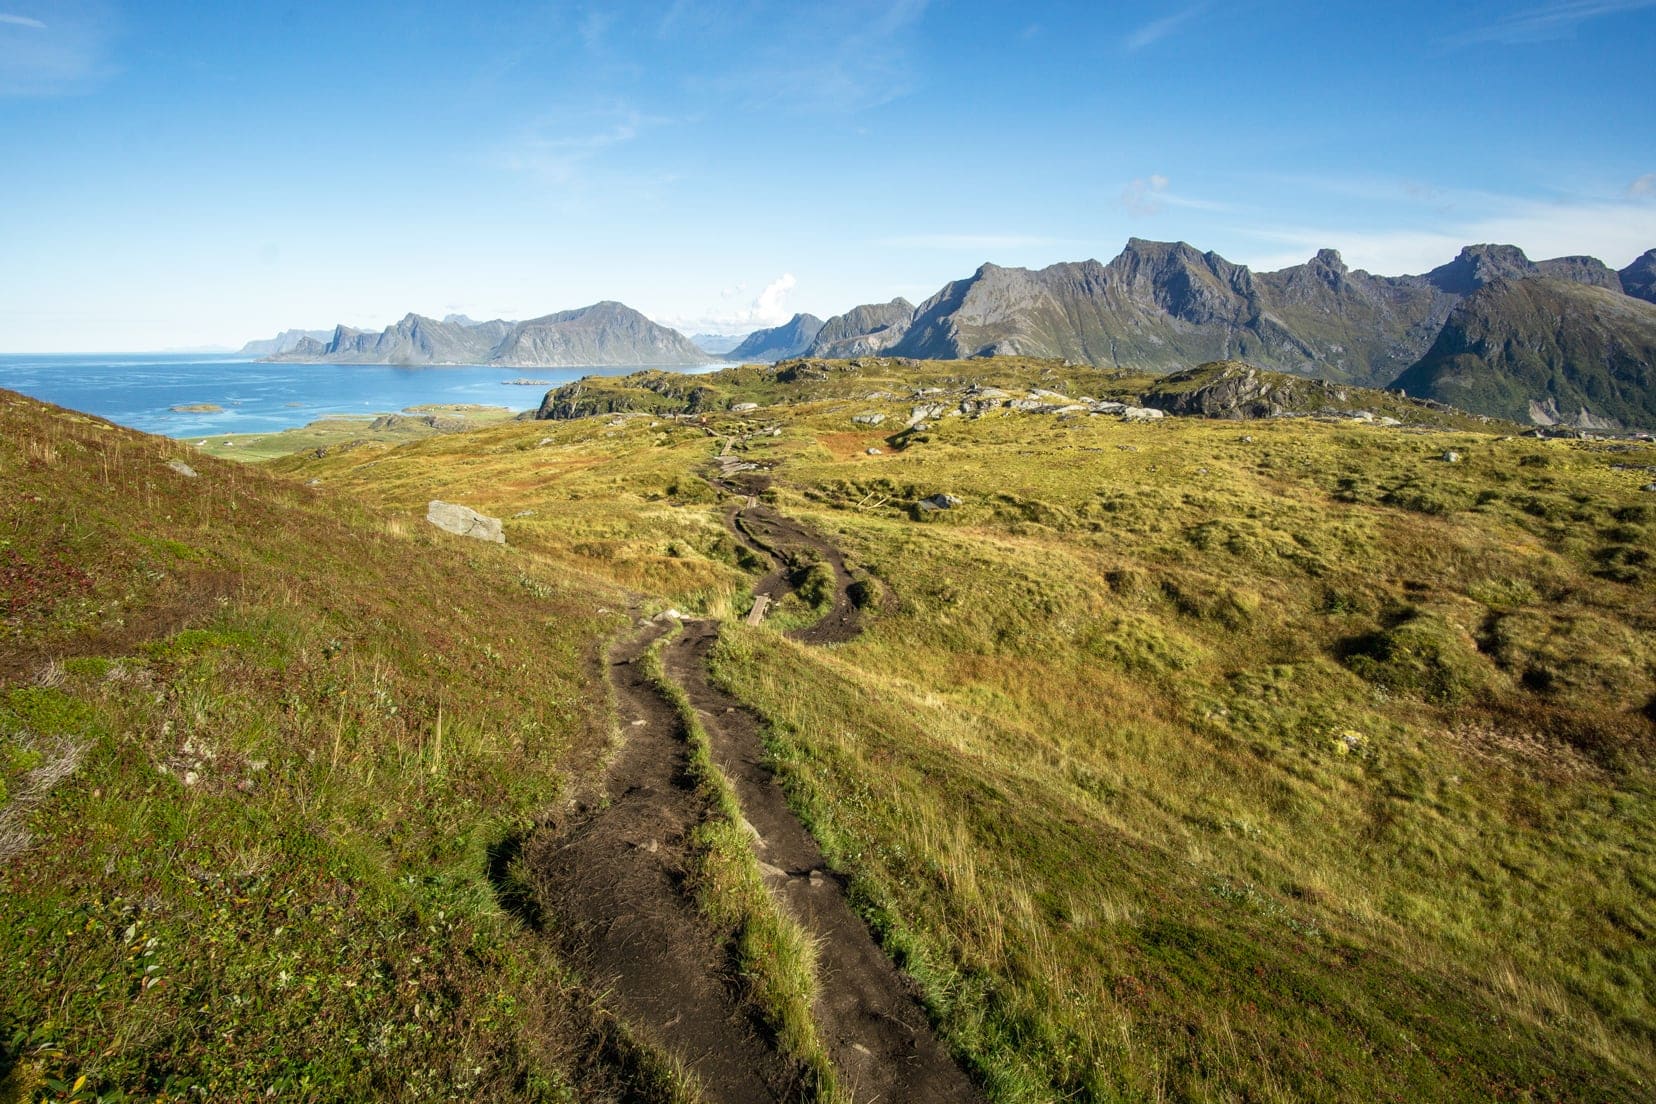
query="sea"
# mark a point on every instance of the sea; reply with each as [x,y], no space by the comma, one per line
[146,390]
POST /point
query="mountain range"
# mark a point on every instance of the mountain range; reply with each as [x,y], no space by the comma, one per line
[1472,332]
[606,333]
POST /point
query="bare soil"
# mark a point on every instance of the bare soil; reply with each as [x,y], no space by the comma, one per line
[611,874]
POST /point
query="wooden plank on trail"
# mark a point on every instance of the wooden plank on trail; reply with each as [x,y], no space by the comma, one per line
[757,613]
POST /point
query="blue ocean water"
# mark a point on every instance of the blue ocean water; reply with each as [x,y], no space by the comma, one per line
[140,389]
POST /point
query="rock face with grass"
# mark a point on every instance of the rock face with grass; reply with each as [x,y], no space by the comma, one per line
[863,331]
[606,333]
[791,339]
[1546,351]
[1234,390]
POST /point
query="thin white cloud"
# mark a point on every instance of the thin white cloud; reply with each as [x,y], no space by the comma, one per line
[967,242]
[559,150]
[1157,29]
[1143,195]
[1643,188]
[60,58]
[1545,22]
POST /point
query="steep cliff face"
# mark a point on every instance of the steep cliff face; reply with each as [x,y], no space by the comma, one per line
[1639,278]
[1545,350]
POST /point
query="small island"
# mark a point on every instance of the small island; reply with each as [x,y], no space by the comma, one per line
[198,408]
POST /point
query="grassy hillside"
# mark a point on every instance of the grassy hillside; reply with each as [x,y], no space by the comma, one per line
[260,750]
[1296,759]
[1190,760]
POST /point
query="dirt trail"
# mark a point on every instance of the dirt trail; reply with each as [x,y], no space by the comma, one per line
[612,874]
[875,1030]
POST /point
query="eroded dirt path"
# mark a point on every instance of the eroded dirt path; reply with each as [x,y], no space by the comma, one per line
[612,874]
[875,1030]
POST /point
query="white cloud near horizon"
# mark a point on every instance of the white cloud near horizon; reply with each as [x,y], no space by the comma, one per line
[1157,29]
[767,309]
[1614,231]
[1545,22]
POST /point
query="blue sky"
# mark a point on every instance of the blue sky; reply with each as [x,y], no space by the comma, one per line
[179,174]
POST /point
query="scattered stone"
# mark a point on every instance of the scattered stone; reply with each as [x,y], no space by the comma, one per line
[464,521]
[182,468]
[741,406]
[1108,407]
[872,451]
[1450,456]
[313,482]
[1648,487]
[926,412]
[869,419]
[1142,414]
[1247,438]
[524,513]
[939,502]
[669,614]
[543,442]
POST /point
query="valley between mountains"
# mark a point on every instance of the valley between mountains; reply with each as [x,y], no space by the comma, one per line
[1215,736]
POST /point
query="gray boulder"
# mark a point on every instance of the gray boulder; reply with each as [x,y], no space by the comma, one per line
[464,521]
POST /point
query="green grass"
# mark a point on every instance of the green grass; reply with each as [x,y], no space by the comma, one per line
[1189,760]
[256,743]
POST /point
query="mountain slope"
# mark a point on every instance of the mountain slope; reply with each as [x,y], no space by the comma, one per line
[863,331]
[1639,278]
[283,342]
[790,339]
[1544,350]
[1162,306]
[604,333]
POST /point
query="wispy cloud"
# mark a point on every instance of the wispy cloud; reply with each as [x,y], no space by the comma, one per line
[1157,29]
[1643,188]
[560,148]
[1545,22]
[967,242]
[1150,195]
[65,56]
[837,58]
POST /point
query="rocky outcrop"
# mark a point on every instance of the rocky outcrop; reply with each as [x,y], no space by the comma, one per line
[284,342]
[1545,350]
[464,521]
[863,331]
[1237,391]
[792,338]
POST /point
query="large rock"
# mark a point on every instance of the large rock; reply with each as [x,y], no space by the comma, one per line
[1231,389]
[464,521]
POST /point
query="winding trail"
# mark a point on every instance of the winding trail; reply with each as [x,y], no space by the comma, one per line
[613,871]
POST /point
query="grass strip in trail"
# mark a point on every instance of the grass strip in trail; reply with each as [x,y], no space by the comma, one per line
[775,957]
[608,878]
